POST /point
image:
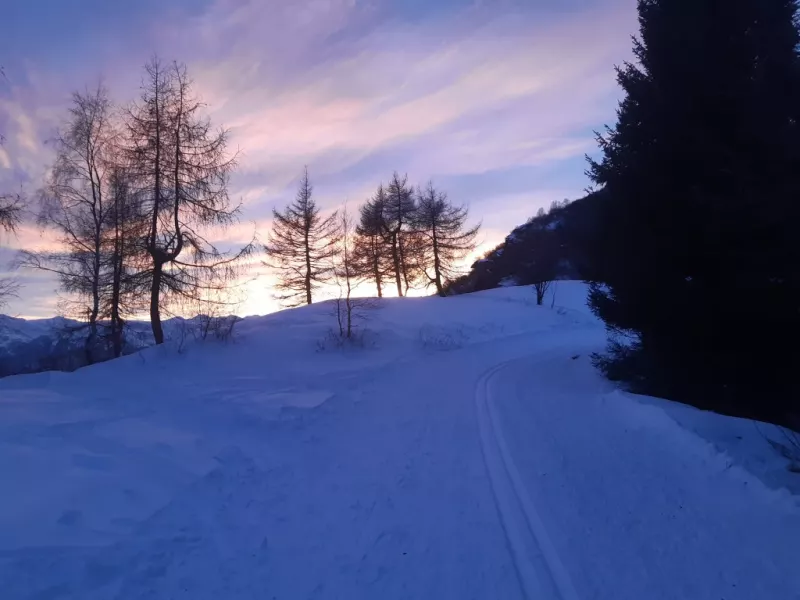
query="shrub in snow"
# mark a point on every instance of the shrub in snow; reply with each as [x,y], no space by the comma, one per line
[433,337]
[359,339]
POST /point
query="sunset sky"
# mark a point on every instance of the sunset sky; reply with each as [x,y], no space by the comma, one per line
[495,100]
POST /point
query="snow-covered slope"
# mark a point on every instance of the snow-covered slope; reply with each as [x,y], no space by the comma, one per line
[464,448]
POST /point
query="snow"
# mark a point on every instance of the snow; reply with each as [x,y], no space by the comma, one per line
[554,224]
[464,447]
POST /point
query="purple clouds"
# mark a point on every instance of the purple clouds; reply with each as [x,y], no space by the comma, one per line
[496,101]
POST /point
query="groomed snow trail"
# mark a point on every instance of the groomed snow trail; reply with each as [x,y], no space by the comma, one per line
[540,569]
[630,503]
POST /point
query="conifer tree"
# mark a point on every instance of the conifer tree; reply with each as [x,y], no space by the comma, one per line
[301,247]
[697,255]
[445,240]
[75,206]
[399,207]
[181,168]
[371,256]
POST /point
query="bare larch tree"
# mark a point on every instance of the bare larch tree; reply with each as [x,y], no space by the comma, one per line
[10,216]
[370,255]
[125,260]
[10,212]
[301,246]
[181,167]
[446,240]
[345,274]
[398,208]
[74,205]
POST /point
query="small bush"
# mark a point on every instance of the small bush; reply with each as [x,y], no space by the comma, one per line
[432,337]
[623,361]
[333,340]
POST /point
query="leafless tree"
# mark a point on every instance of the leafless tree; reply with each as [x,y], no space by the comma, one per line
[538,259]
[542,288]
[301,246]
[74,205]
[370,253]
[10,212]
[347,276]
[398,208]
[446,240]
[10,217]
[181,167]
[124,286]
[8,290]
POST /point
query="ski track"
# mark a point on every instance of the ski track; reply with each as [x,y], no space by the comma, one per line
[540,569]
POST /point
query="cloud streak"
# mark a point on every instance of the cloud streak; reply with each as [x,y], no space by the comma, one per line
[496,100]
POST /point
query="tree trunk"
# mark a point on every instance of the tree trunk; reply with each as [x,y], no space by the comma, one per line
[377,274]
[116,288]
[349,305]
[308,269]
[376,268]
[95,310]
[540,291]
[90,340]
[155,310]
[116,332]
[397,269]
[116,325]
[403,265]
[437,265]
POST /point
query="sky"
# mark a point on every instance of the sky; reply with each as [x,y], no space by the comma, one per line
[495,101]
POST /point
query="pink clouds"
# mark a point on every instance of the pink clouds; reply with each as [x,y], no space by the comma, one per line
[355,92]
[400,83]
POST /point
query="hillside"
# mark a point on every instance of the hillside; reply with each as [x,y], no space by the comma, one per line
[464,447]
[554,244]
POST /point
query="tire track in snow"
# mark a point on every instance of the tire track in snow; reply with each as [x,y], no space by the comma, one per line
[542,574]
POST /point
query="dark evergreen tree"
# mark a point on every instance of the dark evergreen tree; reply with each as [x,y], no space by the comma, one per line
[697,255]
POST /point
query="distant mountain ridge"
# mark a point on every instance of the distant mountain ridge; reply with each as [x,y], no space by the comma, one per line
[58,343]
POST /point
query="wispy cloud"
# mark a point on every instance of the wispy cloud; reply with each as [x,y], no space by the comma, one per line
[496,100]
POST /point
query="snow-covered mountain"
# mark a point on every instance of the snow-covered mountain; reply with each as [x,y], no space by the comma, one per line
[33,345]
[460,447]
[57,344]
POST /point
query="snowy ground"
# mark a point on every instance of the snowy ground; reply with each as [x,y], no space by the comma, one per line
[467,450]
